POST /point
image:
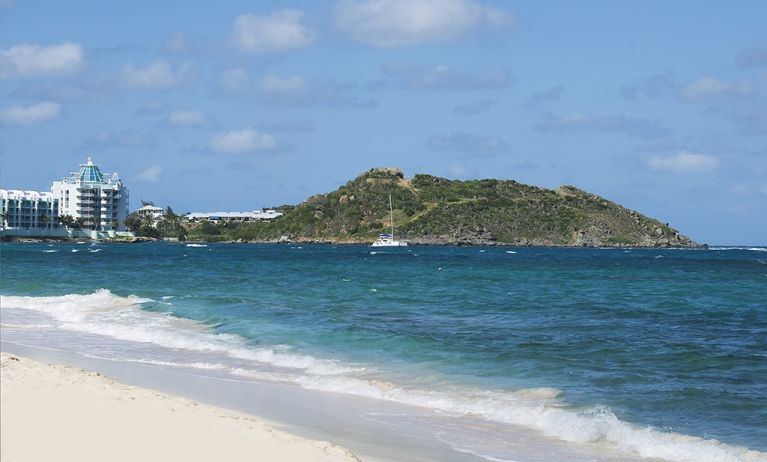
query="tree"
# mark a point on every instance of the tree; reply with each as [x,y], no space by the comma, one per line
[169,215]
[133,222]
[66,220]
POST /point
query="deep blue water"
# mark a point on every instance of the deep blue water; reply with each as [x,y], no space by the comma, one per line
[675,340]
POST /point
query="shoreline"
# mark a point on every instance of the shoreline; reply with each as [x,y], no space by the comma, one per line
[59,404]
[346,421]
[419,242]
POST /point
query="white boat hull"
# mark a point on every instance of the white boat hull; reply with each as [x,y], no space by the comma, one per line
[389,243]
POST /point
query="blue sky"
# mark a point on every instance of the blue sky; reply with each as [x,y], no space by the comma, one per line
[661,106]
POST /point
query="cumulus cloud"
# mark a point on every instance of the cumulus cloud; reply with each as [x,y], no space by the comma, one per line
[684,162]
[235,81]
[635,126]
[441,77]
[708,89]
[30,115]
[151,175]
[279,31]
[291,88]
[298,91]
[158,75]
[186,118]
[395,23]
[242,141]
[467,143]
[30,60]
[178,43]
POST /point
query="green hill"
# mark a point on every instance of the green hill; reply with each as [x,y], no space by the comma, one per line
[433,210]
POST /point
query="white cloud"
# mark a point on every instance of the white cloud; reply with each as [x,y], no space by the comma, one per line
[636,126]
[281,30]
[684,162]
[284,88]
[151,174]
[186,118]
[442,77]
[393,23]
[242,141]
[235,81]
[178,43]
[29,60]
[709,88]
[157,75]
[297,91]
[30,115]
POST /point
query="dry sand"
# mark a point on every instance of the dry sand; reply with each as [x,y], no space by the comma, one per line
[54,412]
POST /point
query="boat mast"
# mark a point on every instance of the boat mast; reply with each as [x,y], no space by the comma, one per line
[391,217]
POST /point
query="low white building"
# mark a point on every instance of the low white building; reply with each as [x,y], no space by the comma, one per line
[256,215]
[152,213]
[99,201]
[28,209]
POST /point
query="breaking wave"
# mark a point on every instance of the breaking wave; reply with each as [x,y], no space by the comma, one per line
[543,409]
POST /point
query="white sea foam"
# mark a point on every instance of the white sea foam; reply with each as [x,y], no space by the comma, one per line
[50,251]
[753,249]
[95,250]
[543,409]
[75,250]
[122,318]
[197,245]
[510,251]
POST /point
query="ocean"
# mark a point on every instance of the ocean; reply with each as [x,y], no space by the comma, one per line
[611,353]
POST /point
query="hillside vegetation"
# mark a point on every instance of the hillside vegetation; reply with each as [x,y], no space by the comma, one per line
[433,210]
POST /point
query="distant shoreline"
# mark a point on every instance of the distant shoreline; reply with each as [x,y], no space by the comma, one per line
[304,241]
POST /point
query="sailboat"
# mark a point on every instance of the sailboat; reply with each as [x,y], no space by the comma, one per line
[387,239]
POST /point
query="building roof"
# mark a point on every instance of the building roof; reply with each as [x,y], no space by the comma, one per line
[17,194]
[91,173]
[150,208]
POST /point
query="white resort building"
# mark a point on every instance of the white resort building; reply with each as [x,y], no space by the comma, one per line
[97,204]
[99,201]
[28,209]
[256,215]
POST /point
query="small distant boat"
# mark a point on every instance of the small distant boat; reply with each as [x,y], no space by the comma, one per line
[387,239]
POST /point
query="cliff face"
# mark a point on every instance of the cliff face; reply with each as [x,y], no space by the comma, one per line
[432,210]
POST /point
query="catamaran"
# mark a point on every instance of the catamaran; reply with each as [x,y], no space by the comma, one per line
[387,239]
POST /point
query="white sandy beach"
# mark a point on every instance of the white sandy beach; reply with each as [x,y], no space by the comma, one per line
[54,412]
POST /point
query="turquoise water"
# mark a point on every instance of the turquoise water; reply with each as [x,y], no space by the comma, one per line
[631,349]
